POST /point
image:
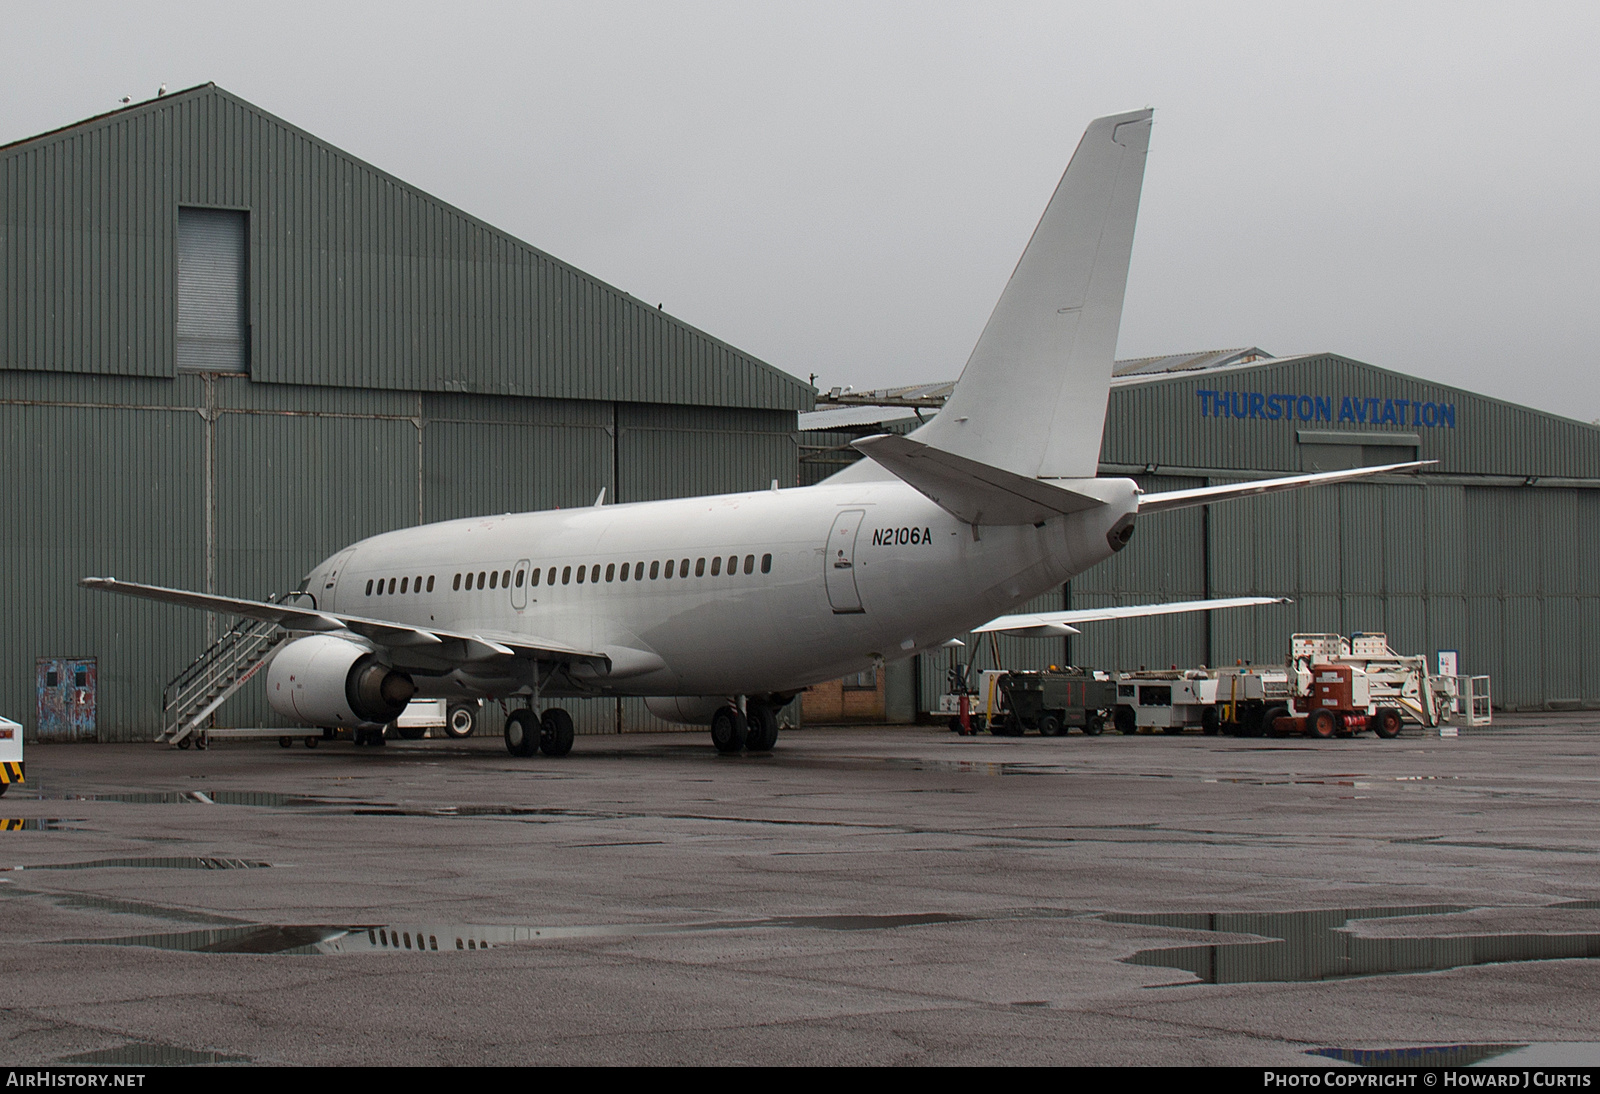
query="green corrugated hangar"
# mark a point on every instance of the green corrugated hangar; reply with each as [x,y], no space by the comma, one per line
[1489,552]
[229,349]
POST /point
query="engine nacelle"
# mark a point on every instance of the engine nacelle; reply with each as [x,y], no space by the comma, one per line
[330,681]
[689,710]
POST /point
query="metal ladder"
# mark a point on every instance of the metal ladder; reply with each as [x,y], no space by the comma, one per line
[211,679]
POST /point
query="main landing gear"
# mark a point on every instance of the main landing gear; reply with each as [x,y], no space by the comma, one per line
[550,733]
[755,729]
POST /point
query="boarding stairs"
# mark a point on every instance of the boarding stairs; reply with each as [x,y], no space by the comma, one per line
[193,696]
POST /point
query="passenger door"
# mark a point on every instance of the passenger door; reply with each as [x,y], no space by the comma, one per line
[839,562]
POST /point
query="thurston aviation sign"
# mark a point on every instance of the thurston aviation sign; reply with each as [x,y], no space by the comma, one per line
[1357,409]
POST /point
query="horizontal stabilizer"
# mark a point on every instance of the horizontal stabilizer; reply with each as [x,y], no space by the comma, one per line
[973,492]
[438,644]
[1205,495]
[1043,624]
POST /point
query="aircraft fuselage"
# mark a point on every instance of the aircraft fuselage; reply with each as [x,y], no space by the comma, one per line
[763,592]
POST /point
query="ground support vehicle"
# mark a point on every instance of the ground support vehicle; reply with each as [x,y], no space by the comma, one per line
[1343,686]
[1232,701]
[10,754]
[1009,704]
[1050,702]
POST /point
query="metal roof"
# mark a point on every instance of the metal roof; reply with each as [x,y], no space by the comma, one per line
[358,279]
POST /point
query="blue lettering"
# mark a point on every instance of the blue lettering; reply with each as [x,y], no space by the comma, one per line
[1239,404]
[1304,408]
[1274,411]
[1345,413]
[1447,414]
[1429,414]
[1388,412]
[1324,408]
[1205,403]
[1255,404]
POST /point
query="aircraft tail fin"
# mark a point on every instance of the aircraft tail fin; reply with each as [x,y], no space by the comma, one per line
[1032,398]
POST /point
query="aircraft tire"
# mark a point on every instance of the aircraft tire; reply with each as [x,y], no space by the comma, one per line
[555,732]
[762,734]
[728,730]
[460,720]
[522,732]
[1386,723]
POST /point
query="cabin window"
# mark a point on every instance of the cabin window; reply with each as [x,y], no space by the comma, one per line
[505,579]
[369,586]
[550,578]
[671,563]
[455,586]
[416,586]
[391,586]
[533,578]
[481,576]
[655,568]
[494,579]
[716,566]
[520,576]
[611,570]
[582,573]
[683,568]
[700,567]
[430,583]
[622,575]
[733,564]
[566,575]
[766,564]
[594,574]
[638,571]
[405,584]
[749,564]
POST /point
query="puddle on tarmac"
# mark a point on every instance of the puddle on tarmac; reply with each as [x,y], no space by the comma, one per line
[147,1054]
[1420,1056]
[425,938]
[39,824]
[1317,945]
[1540,1054]
[119,907]
[178,862]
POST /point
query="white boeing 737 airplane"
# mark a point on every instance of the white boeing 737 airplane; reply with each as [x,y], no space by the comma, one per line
[720,609]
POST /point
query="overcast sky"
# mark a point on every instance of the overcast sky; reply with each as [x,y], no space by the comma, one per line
[842,189]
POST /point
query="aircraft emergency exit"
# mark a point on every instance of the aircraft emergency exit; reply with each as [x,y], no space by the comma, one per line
[720,609]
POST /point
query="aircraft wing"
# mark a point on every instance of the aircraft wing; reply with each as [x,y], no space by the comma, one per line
[1205,495]
[439,644]
[1056,624]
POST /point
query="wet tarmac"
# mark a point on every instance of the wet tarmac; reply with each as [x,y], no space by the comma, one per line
[859,896]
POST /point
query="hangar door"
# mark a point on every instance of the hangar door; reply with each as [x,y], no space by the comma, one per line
[212,322]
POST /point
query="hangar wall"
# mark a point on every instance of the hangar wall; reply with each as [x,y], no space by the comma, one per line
[1486,552]
[405,362]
